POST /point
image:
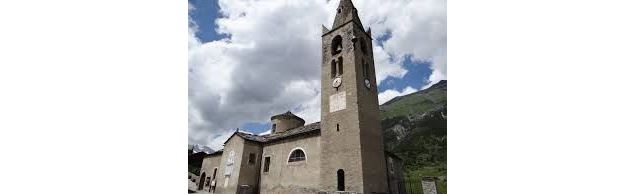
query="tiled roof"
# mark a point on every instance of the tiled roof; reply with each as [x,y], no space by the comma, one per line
[313,127]
[306,129]
[251,137]
[287,115]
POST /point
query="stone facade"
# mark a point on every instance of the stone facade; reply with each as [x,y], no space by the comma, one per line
[351,137]
[292,177]
[285,121]
[227,179]
[342,154]
[209,171]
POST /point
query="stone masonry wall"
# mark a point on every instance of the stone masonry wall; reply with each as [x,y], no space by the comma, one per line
[291,177]
[229,183]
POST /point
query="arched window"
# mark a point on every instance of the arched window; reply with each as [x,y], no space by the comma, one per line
[340,180]
[336,45]
[297,155]
[201,183]
[214,175]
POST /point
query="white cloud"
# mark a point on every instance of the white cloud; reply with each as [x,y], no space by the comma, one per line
[387,66]
[218,140]
[266,132]
[417,28]
[390,94]
[270,62]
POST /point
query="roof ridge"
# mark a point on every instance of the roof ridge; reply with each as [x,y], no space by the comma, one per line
[315,126]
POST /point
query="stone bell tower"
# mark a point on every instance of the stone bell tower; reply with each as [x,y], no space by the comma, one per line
[351,137]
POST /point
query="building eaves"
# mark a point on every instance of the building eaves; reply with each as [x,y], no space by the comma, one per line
[306,129]
[302,130]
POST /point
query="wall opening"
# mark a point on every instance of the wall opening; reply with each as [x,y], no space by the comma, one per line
[338,127]
[333,69]
[336,45]
[266,167]
[340,180]
[214,175]
[297,155]
[340,66]
[208,182]
[201,182]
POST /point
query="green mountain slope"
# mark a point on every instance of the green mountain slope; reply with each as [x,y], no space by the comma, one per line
[415,128]
[419,102]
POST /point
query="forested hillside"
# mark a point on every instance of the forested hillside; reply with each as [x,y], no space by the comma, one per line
[415,128]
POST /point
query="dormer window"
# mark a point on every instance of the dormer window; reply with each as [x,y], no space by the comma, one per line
[336,45]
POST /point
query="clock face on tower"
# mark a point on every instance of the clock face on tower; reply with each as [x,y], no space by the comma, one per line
[337,82]
[367,83]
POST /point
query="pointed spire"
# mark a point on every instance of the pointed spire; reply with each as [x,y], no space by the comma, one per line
[346,11]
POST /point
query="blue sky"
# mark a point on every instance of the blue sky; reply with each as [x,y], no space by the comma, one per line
[204,15]
[406,61]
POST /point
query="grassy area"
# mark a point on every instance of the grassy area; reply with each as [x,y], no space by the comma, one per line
[415,176]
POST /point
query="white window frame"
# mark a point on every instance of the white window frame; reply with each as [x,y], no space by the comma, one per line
[306,156]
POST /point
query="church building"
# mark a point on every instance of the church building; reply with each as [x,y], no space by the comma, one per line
[344,153]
